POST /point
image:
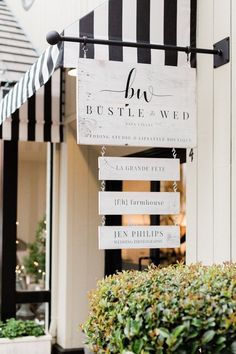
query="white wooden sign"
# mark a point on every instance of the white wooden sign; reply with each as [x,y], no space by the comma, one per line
[153,203]
[138,169]
[135,104]
[117,237]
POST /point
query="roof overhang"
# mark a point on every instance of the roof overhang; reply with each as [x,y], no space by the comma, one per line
[169,22]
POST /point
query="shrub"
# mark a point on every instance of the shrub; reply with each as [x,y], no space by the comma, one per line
[13,328]
[178,309]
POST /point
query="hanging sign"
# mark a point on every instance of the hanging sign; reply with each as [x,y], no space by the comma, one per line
[152,203]
[135,104]
[117,237]
[138,169]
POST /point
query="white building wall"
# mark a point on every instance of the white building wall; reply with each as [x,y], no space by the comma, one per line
[78,263]
[233,132]
[211,177]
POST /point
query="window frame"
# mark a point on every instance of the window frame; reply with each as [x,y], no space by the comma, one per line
[9,296]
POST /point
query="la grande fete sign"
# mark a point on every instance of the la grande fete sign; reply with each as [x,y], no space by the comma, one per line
[138,169]
[135,104]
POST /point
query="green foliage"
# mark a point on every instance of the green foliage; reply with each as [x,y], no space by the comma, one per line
[13,328]
[179,309]
[35,261]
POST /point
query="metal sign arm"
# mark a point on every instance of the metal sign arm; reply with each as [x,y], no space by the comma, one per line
[220,51]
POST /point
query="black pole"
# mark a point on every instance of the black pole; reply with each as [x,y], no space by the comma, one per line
[54,38]
[8,235]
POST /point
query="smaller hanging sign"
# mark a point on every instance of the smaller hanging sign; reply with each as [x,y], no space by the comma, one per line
[138,169]
[152,203]
[118,237]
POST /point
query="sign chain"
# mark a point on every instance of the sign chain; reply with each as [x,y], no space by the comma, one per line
[84,47]
[175,186]
[103,185]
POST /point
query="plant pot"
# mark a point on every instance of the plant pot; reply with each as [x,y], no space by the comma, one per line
[26,345]
[87,350]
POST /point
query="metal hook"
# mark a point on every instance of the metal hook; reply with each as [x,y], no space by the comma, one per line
[188,53]
[84,46]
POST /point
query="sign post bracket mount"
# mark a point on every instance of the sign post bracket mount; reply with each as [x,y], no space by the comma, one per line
[220,49]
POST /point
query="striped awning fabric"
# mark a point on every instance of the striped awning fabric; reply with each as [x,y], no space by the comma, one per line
[39,118]
[152,21]
[31,110]
[24,92]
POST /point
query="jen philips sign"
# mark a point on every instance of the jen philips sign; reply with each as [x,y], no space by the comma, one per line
[135,104]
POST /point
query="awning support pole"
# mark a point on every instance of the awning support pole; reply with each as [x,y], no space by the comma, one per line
[220,51]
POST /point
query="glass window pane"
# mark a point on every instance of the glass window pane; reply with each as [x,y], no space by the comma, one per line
[31,217]
[36,312]
[135,258]
[172,255]
[141,258]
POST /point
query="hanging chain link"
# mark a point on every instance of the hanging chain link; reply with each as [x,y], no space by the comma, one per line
[103,185]
[84,47]
[188,54]
[175,186]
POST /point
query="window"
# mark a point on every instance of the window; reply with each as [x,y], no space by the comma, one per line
[32,234]
[25,244]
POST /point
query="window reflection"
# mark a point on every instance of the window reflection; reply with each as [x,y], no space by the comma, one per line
[31,259]
[35,312]
[31,217]
[142,258]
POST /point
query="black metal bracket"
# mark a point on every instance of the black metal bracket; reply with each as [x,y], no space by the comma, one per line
[224,47]
[220,51]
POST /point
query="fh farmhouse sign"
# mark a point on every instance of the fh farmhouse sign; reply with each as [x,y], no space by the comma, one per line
[152,203]
[135,104]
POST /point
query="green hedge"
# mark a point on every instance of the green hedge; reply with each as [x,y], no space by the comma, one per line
[13,328]
[178,309]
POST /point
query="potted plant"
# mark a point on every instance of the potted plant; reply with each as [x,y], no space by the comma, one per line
[23,337]
[178,309]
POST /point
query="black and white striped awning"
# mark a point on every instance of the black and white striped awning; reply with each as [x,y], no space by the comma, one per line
[28,112]
[152,21]
[39,118]
[31,109]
